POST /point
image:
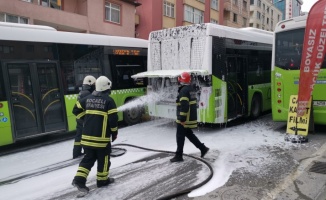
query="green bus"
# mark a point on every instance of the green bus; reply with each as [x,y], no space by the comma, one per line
[41,73]
[230,70]
[287,51]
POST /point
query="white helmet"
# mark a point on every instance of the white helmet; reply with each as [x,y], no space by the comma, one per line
[89,80]
[103,83]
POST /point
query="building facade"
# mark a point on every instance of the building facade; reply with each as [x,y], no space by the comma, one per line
[109,17]
[236,13]
[289,8]
[161,14]
[264,15]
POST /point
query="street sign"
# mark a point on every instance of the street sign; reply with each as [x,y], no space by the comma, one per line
[298,125]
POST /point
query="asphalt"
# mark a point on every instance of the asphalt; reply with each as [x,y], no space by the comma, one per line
[299,174]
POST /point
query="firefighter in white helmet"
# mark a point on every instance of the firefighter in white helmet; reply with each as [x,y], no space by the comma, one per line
[100,129]
[87,88]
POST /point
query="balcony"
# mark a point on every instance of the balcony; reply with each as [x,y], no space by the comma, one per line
[47,15]
[227,5]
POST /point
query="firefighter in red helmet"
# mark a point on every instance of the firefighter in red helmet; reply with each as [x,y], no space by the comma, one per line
[186,117]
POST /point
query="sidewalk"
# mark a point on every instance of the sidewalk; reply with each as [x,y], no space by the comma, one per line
[307,182]
[300,184]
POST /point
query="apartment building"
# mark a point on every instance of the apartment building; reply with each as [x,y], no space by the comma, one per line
[110,17]
[289,8]
[160,14]
[236,13]
[264,15]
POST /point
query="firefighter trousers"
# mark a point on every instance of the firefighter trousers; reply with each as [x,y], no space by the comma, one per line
[102,156]
[182,133]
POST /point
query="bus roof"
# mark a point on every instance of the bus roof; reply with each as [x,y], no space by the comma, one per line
[35,33]
[247,34]
[209,29]
[290,24]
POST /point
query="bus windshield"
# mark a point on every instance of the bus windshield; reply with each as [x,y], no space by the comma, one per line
[288,49]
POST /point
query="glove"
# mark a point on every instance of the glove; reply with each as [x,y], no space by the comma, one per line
[114,136]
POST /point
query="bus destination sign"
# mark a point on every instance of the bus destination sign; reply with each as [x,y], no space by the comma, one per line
[126,52]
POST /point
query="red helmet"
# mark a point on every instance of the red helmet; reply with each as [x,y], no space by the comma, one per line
[185,78]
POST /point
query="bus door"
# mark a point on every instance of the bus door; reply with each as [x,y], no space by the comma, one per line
[35,98]
[236,86]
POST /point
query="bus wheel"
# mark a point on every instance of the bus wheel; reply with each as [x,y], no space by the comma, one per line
[256,105]
[133,115]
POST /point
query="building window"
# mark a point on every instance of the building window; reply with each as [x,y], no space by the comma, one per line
[203,1]
[245,5]
[272,12]
[258,15]
[251,25]
[56,4]
[4,17]
[214,4]
[112,12]
[168,9]
[259,3]
[193,15]
[235,2]
[252,2]
[30,1]
[244,24]
[235,17]
[214,21]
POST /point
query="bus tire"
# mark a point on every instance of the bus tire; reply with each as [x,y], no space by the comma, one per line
[256,106]
[134,115]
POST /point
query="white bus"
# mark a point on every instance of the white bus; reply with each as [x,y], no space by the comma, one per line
[41,71]
[230,69]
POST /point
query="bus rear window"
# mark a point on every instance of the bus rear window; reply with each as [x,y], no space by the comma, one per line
[288,49]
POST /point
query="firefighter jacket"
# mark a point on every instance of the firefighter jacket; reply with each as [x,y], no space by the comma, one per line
[86,90]
[100,119]
[187,106]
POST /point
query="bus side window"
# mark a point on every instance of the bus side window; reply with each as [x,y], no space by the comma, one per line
[2,89]
[323,66]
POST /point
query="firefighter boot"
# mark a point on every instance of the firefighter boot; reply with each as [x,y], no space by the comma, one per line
[204,151]
[177,158]
[80,186]
[104,183]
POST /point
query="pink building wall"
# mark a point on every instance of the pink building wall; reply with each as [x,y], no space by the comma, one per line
[207,13]
[179,12]
[76,16]
[150,17]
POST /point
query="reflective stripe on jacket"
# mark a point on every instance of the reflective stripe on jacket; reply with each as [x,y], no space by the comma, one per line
[187,106]
[100,119]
